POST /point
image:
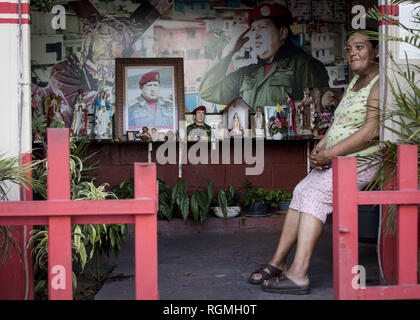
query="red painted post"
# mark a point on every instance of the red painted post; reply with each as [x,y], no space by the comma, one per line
[59,228]
[407,221]
[345,235]
[146,263]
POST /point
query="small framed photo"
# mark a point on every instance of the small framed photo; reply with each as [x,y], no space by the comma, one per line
[131,135]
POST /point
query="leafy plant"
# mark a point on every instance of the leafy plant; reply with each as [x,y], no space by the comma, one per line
[166,205]
[255,195]
[180,198]
[226,198]
[12,170]
[201,201]
[125,190]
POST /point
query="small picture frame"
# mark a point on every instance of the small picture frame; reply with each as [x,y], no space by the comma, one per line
[131,135]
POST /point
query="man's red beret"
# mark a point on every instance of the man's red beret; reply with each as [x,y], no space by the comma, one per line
[267,10]
[150,76]
[199,108]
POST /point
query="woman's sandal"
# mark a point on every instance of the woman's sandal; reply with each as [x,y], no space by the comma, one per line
[273,272]
[284,285]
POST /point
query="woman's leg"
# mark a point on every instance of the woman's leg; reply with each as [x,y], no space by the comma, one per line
[287,240]
[310,228]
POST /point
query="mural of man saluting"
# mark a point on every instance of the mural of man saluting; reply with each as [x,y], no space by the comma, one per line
[282,67]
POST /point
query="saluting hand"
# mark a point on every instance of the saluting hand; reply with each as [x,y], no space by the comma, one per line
[240,42]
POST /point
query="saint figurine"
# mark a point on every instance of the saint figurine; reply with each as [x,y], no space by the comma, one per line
[306,112]
[103,115]
[79,115]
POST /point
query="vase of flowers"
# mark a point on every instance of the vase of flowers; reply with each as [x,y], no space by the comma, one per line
[323,120]
[277,125]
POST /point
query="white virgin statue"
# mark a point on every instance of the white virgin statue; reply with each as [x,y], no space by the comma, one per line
[80,108]
[236,125]
[103,114]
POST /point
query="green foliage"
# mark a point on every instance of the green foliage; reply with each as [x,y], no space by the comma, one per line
[12,170]
[402,117]
[125,190]
[260,195]
[43,5]
[166,205]
[255,195]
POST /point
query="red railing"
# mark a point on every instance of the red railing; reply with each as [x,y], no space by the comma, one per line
[345,228]
[59,213]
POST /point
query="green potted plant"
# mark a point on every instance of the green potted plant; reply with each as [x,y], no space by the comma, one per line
[256,202]
[227,204]
[284,200]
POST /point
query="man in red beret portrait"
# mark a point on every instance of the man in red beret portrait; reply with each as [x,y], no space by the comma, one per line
[199,130]
[149,109]
[281,66]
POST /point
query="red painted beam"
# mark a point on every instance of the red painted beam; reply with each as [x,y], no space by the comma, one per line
[388,197]
[77,208]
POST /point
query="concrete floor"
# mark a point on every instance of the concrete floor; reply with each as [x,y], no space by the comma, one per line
[215,264]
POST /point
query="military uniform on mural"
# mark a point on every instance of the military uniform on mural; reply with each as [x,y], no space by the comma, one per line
[287,70]
[140,114]
[288,74]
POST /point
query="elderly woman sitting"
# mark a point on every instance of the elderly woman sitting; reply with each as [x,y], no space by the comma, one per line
[352,134]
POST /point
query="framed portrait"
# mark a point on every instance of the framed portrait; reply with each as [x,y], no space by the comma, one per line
[131,135]
[149,93]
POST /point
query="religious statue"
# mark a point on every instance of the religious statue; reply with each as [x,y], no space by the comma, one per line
[145,135]
[79,122]
[236,125]
[258,120]
[52,107]
[291,110]
[306,113]
[103,115]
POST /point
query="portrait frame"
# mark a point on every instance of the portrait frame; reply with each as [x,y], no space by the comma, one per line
[131,135]
[128,72]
